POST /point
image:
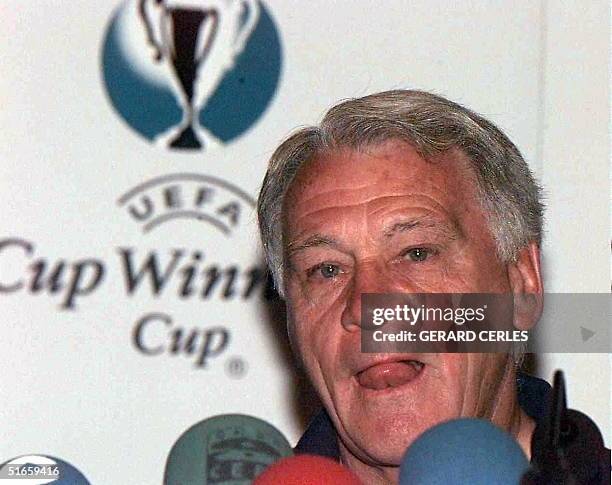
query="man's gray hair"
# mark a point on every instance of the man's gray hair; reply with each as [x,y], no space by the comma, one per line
[431,124]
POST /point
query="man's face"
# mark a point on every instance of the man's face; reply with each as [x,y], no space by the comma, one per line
[386,221]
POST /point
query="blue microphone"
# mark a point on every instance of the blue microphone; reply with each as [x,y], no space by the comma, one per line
[465,451]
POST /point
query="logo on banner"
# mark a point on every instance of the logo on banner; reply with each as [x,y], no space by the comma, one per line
[172,273]
[203,198]
[191,74]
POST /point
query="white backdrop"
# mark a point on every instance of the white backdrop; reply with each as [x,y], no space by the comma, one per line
[74,383]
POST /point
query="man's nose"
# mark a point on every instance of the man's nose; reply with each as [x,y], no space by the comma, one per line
[368,278]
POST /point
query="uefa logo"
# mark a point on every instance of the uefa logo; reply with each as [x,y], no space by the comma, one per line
[191,74]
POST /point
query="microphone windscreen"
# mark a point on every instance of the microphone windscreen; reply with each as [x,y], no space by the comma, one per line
[52,470]
[463,451]
[229,449]
[307,470]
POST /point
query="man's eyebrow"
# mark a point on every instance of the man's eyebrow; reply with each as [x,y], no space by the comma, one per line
[450,229]
[313,241]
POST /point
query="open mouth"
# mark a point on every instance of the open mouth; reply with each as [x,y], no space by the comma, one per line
[386,375]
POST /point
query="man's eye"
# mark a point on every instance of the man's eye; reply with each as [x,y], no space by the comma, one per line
[417,254]
[326,270]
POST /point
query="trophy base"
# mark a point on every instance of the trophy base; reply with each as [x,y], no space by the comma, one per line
[186,139]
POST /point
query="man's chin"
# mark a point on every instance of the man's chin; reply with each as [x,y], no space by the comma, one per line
[382,441]
[384,408]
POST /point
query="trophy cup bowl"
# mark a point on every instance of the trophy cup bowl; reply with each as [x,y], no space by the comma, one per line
[181,29]
[184,37]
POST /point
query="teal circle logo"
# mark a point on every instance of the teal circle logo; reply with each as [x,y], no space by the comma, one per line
[193,74]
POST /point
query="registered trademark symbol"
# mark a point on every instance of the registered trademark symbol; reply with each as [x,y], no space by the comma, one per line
[236,367]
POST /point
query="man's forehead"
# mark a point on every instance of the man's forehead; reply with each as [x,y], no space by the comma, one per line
[343,165]
[377,173]
[446,228]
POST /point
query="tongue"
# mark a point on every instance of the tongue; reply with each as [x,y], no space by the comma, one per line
[392,374]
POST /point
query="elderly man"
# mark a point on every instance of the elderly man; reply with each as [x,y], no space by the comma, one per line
[400,192]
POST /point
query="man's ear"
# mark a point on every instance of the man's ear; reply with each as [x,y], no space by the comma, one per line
[526,283]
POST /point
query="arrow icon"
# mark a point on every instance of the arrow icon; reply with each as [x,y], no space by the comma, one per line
[586,333]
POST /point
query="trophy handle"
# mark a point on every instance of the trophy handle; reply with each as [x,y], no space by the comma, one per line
[252,16]
[211,32]
[145,17]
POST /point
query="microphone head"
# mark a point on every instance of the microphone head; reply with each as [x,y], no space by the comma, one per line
[463,451]
[307,470]
[55,471]
[230,449]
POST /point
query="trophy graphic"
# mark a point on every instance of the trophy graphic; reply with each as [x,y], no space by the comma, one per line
[199,40]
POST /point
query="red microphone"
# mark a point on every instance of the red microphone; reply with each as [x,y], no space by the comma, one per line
[307,470]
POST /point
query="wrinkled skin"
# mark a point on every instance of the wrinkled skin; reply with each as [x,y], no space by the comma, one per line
[385,220]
